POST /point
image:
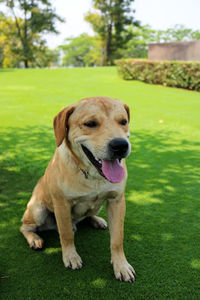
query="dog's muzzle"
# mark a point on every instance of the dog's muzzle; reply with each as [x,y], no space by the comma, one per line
[118,148]
[110,167]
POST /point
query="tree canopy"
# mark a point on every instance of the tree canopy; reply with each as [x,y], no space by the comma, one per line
[32,18]
[81,51]
[110,19]
[85,50]
[140,37]
[177,33]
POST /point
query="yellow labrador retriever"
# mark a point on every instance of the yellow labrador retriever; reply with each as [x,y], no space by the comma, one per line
[88,167]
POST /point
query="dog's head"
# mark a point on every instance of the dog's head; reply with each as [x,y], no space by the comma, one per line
[96,131]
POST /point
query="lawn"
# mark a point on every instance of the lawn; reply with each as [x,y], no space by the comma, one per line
[162,225]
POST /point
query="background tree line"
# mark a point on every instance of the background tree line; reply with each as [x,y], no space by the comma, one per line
[86,50]
[116,35]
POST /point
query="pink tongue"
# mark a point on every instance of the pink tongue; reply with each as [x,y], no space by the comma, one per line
[112,170]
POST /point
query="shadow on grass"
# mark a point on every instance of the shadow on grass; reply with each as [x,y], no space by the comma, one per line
[6,70]
[161,227]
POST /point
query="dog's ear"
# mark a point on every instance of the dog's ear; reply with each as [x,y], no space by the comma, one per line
[128,111]
[60,123]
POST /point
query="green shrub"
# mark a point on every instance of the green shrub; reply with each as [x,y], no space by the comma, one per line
[180,74]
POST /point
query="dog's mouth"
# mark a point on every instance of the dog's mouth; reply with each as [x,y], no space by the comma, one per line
[112,170]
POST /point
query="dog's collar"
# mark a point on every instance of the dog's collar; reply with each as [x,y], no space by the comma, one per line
[77,162]
[85,173]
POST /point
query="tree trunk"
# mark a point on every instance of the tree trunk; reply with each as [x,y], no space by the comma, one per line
[26,63]
[108,46]
[103,57]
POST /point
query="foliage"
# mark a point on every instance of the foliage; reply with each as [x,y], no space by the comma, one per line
[177,33]
[9,43]
[139,39]
[82,51]
[180,74]
[86,50]
[141,36]
[11,51]
[32,18]
[162,193]
[109,20]
[45,57]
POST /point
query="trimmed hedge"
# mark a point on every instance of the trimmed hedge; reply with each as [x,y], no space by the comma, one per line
[180,74]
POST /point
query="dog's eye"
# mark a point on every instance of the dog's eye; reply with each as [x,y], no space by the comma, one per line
[91,124]
[123,122]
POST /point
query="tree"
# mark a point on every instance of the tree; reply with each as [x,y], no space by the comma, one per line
[32,19]
[140,38]
[45,57]
[81,51]
[177,33]
[9,44]
[110,20]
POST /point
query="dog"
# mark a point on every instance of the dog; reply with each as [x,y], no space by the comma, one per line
[88,168]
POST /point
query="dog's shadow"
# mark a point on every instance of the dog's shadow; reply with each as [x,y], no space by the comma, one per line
[162,197]
[87,241]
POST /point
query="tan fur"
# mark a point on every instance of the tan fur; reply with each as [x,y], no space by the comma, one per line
[65,191]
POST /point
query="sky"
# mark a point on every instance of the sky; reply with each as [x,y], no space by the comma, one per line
[159,14]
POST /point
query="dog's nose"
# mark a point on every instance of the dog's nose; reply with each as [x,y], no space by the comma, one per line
[118,148]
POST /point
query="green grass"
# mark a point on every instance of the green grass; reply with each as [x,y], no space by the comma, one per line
[162,224]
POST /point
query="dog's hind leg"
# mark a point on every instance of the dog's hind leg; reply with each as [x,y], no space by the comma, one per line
[34,216]
[97,222]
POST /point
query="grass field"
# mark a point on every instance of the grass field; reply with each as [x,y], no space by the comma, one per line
[162,225]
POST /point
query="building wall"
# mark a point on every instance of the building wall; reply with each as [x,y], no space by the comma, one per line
[175,51]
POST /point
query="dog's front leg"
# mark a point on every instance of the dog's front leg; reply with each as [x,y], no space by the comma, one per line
[116,211]
[71,258]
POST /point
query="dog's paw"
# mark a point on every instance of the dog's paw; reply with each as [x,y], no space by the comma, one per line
[36,242]
[98,222]
[124,271]
[72,260]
